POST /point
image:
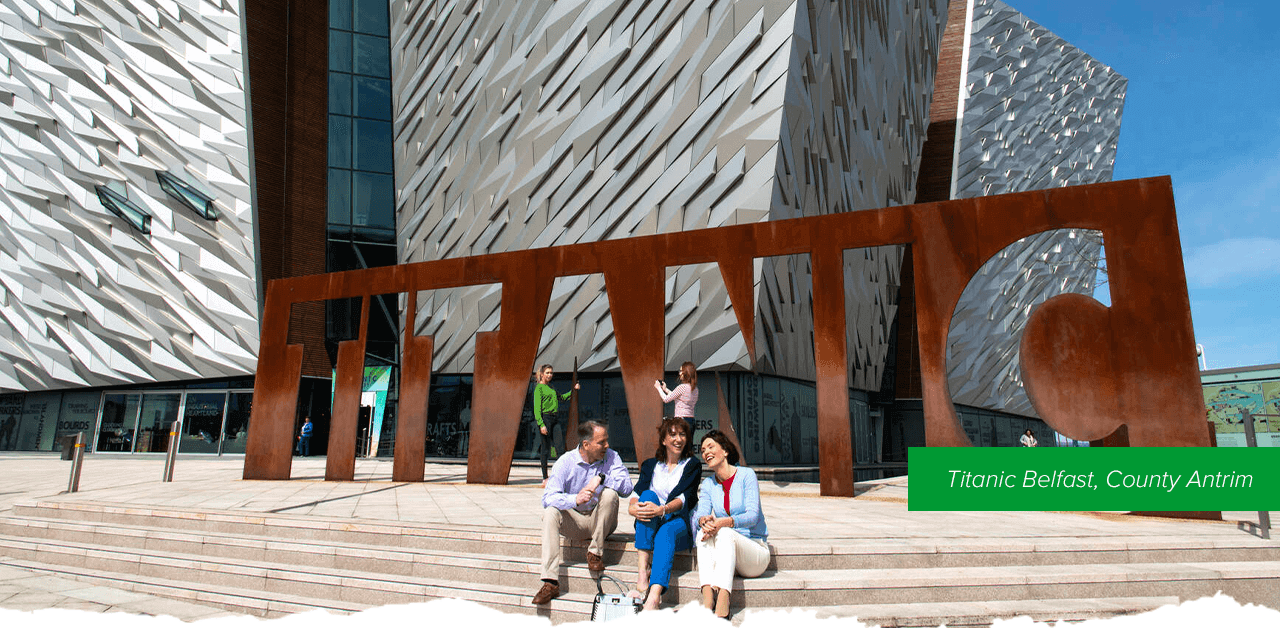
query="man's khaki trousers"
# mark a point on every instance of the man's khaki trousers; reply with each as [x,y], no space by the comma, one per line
[595,526]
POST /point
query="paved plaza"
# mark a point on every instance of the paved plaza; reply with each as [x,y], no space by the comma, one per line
[797,514]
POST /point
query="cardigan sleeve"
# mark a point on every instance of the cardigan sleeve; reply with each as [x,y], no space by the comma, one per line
[691,481]
[646,476]
[704,500]
[750,499]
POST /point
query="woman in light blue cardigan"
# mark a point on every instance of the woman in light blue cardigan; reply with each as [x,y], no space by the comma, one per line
[732,536]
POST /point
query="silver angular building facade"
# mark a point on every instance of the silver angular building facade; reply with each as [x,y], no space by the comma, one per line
[535,124]
[120,96]
[1035,112]
[512,125]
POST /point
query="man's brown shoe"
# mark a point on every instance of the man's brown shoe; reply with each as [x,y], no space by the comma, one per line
[595,563]
[549,591]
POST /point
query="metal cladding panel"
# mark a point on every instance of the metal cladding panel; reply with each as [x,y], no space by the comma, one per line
[1037,113]
[100,92]
[859,86]
[530,124]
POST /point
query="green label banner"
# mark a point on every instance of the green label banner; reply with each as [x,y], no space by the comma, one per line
[1093,479]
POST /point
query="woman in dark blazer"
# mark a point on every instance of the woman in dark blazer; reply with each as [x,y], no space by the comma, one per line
[664,497]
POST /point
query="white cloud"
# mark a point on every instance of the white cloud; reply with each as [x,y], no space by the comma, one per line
[1232,262]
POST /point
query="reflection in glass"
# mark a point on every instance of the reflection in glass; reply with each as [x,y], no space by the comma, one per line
[236,430]
[373,98]
[374,201]
[449,416]
[79,411]
[340,93]
[340,51]
[340,14]
[371,17]
[340,141]
[202,422]
[339,196]
[373,145]
[372,58]
[119,421]
[159,411]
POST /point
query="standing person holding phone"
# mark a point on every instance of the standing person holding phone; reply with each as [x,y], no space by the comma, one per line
[685,395]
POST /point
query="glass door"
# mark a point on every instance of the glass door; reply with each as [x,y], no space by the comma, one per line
[119,422]
[202,422]
[159,411]
[236,429]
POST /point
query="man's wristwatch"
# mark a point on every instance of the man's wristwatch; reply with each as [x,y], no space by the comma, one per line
[601,477]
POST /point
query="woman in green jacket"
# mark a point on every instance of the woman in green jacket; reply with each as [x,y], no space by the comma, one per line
[546,411]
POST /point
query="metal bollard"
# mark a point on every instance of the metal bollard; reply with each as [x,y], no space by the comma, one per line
[172,452]
[77,459]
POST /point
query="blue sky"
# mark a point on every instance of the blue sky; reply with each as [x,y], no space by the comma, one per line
[1202,107]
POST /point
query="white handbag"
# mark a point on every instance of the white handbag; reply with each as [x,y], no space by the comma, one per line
[607,607]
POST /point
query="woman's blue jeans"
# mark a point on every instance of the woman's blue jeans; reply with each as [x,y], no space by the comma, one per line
[664,536]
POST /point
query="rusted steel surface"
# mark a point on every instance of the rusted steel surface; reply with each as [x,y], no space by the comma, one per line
[409,464]
[1088,368]
[345,422]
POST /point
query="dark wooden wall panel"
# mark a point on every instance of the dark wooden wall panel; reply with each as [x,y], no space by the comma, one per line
[933,183]
[288,49]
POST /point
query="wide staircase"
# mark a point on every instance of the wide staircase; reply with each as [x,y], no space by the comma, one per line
[273,564]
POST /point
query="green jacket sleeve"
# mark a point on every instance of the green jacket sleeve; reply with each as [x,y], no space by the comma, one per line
[539,391]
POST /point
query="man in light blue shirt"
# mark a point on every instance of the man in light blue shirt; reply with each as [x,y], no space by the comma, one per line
[580,501]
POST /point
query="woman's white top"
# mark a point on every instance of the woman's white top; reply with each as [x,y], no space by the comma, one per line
[664,481]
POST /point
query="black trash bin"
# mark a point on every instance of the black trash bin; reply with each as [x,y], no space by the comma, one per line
[68,447]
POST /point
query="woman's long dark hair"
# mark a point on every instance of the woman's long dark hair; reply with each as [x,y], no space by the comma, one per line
[689,374]
[730,450]
[674,423]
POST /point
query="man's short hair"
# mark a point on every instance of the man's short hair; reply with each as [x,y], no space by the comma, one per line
[588,428]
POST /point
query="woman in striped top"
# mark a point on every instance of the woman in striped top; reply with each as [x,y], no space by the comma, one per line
[685,396]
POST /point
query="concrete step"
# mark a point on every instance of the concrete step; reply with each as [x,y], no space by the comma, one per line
[237,600]
[787,554]
[386,577]
[292,588]
[378,562]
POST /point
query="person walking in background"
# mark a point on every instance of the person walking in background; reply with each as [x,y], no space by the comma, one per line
[666,494]
[304,437]
[685,395]
[1029,439]
[546,412]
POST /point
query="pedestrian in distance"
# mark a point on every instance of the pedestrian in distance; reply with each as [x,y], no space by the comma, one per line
[1028,439]
[304,437]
